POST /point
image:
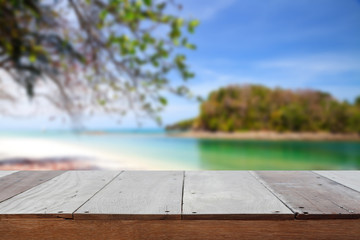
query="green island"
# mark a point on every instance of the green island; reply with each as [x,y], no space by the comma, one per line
[258,108]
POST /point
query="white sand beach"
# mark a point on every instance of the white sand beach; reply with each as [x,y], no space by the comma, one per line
[37,148]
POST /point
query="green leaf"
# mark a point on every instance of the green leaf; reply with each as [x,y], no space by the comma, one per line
[165,19]
[176,42]
[129,15]
[101,102]
[32,58]
[179,22]
[192,25]
[163,101]
[103,14]
[147,2]
[161,6]
[190,46]
[199,99]
[184,41]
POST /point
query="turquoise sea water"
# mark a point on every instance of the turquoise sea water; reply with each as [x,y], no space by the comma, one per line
[156,146]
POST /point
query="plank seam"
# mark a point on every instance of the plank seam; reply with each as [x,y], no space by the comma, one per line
[252,173]
[335,181]
[96,193]
[182,196]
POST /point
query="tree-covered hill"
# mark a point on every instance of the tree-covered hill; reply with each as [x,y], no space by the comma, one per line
[255,107]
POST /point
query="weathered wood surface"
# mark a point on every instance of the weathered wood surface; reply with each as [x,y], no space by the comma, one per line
[228,205]
[168,195]
[229,195]
[58,197]
[349,179]
[137,195]
[19,182]
[312,196]
[5,173]
[34,229]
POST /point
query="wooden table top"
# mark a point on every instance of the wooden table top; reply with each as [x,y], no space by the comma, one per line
[176,195]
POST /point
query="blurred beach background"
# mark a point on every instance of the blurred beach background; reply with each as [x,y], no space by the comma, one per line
[302,59]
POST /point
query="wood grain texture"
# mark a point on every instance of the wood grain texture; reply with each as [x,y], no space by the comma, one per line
[312,196]
[350,179]
[229,195]
[137,195]
[34,229]
[5,173]
[58,197]
[19,182]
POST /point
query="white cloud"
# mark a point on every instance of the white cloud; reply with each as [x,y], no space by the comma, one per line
[316,64]
[211,9]
[332,72]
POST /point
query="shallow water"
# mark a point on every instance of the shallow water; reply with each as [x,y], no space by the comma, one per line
[157,147]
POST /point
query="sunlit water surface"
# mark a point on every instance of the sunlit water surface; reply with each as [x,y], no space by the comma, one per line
[156,146]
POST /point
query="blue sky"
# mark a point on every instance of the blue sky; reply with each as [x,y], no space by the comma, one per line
[291,44]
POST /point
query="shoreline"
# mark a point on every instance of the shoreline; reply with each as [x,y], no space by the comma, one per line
[267,135]
[43,151]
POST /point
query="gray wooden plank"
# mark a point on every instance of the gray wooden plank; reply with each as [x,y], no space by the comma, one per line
[18,182]
[137,195]
[58,197]
[312,196]
[229,195]
[5,173]
[350,179]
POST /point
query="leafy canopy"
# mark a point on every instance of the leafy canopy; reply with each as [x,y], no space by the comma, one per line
[256,108]
[112,55]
